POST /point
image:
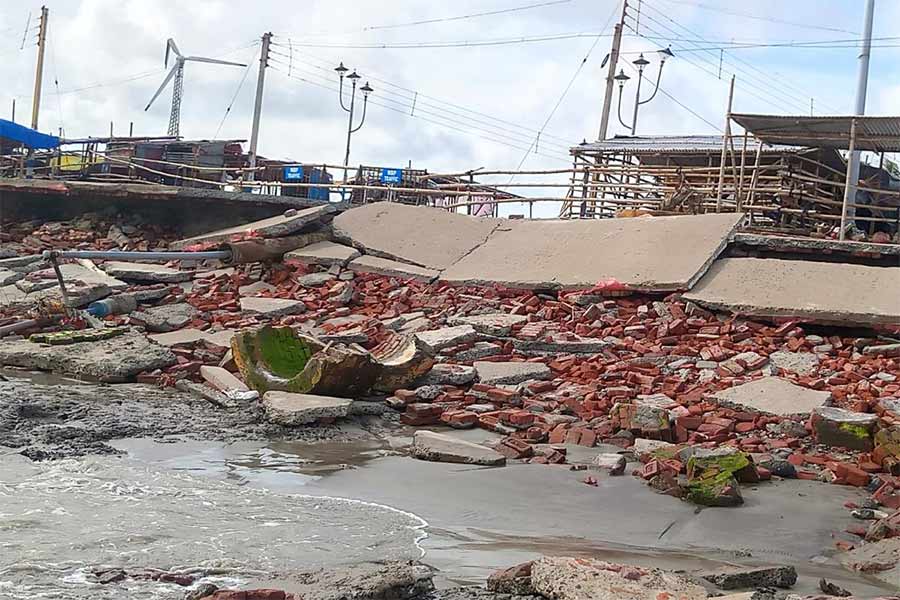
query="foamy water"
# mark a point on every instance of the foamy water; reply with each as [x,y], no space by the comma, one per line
[60,519]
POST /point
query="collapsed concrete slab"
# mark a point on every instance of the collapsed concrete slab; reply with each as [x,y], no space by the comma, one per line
[113,360]
[436,340]
[291,410]
[145,272]
[428,237]
[437,447]
[499,324]
[510,373]
[391,268]
[648,254]
[182,337]
[272,308]
[820,292]
[282,225]
[323,253]
[773,396]
[165,318]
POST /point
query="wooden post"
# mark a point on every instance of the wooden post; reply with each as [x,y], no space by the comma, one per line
[847,182]
[740,190]
[725,146]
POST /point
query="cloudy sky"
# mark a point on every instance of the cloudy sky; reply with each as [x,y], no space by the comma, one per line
[479,101]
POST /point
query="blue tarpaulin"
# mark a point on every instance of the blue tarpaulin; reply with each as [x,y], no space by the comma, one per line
[13,133]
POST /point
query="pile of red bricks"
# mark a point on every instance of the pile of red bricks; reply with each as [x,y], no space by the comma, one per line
[89,231]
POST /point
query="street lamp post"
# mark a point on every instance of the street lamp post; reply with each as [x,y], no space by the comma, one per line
[641,63]
[366,90]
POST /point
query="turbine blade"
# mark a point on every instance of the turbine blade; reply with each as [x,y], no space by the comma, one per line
[170,43]
[161,87]
[214,61]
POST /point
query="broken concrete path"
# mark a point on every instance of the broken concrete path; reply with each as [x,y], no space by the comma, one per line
[391,268]
[323,253]
[649,254]
[436,340]
[428,237]
[286,408]
[272,307]
[437,447]
[114,360]
[510,373]
[165,318]
[773,396]
[499,324]
[820,292]
[145,272]
[279,226]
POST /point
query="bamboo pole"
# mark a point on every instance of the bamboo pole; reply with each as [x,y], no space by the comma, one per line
[725,146]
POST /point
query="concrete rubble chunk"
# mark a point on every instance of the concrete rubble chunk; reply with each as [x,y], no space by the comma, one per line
[514,580]
[801,363]
[222,380]
[315,279]
[396,580]
[802,289]
[165,318]
[272,308]
[614,464]
[8,277]
[737,578]
[145,272]
[277,226]
[323,253]
[877,559]
[648,254]
[888,350]
[113,360]
[402,359]
[478,350]
[438,447]
[436,340]
[447,374]
[182,337]
[551,346]
[290,409]
[511,373]
[391,268]
[563,578]
[834,426]
[773,396]
[428,237]
[498,324]
[255,288]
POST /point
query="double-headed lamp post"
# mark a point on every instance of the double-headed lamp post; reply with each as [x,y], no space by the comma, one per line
[366,90]
[641,63]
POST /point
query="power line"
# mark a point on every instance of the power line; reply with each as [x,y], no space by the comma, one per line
[811,45]
[774,93]
[768,80]
[448,123]
[565,91]
[425,99]
[236,92]
[758,17]
[404,105]
[489,13]
[450,44]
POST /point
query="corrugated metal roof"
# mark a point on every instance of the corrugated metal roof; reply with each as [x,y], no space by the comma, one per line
[685,144]
[879,134]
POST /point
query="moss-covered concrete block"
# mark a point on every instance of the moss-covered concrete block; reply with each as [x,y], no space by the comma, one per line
[843,428]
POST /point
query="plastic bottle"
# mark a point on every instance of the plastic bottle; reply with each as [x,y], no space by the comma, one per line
[114,305]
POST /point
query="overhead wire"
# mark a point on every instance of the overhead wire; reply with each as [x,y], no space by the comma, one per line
[565,91]
[404,105]
[446,123]
[447,44]
[759,17]
[769,79]
[236,92]
[424,99]
[785,90]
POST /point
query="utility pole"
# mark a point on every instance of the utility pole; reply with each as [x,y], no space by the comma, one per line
[39,73]
[611,71]
[257,107]
[862,80]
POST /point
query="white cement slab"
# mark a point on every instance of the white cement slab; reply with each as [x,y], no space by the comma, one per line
[278,226]
[828,293]
[391,268]
[648,254]
[132,271]
[773,396]
[323,253]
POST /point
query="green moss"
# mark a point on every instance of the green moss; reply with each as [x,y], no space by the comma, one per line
[728,464]
[858,431]
[283,353]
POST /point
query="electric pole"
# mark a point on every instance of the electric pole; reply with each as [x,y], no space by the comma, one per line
[257,107]
[862,80]
[611,71]
[39,73]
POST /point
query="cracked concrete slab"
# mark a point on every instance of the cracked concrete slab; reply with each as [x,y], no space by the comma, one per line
[773,396]
[648,254]
[423,236]
[819,292]
[391,268]
[323,253]
[277,226]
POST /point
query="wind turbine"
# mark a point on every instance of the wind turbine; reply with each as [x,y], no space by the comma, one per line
[178,73]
